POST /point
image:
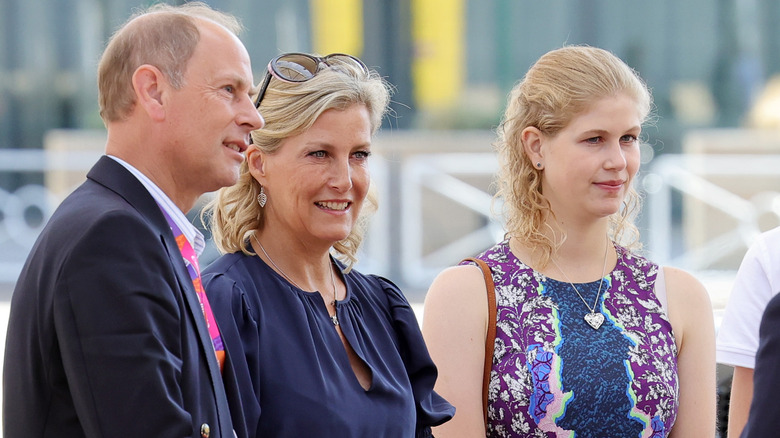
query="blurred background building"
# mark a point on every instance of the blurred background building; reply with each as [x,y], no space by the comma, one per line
[711,160]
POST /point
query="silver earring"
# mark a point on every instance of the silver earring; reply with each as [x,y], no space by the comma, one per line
[539,165]
[262,198]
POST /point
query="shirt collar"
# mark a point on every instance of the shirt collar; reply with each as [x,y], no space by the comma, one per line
[193,235]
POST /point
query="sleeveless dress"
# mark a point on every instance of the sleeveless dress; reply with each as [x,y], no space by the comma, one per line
[553,375]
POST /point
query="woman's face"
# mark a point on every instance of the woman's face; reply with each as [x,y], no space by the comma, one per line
[590,164]
[316,181]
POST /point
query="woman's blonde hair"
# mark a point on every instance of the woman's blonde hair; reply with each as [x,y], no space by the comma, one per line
[561,85]
[289,109]
[164,36]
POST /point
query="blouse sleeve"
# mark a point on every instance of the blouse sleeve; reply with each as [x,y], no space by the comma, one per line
[432,409]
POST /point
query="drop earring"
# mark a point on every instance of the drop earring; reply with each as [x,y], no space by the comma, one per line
[262,198]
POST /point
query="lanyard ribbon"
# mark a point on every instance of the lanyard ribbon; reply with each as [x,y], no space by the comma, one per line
[191,261]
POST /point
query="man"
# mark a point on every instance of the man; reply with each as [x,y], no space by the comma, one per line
[756,283]
[107,335]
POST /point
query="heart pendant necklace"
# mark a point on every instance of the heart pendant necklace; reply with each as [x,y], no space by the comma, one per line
[593,318]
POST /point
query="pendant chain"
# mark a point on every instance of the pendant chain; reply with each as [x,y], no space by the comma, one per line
[601,283]
[334,318]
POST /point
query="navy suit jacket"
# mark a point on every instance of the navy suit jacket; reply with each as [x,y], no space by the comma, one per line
[106,337]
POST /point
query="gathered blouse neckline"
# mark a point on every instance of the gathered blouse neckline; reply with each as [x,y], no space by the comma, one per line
[347,296]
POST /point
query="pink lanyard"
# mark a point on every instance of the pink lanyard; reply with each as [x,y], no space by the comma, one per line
[191,261]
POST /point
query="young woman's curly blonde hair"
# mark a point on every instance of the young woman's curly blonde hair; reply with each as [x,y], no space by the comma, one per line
[289,109]
[562,84]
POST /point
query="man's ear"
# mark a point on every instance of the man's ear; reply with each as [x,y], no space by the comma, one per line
[532,145]
[256,162]
[148,84]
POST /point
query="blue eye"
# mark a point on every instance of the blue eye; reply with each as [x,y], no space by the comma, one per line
[318,154]
[362,154]
[628,138]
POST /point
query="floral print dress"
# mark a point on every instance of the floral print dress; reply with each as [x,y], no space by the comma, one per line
[554,375]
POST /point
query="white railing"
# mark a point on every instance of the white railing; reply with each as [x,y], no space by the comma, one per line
[446,176]
[25,209]
[735,197]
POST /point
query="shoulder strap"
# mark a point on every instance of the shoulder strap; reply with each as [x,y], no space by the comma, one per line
[490,337]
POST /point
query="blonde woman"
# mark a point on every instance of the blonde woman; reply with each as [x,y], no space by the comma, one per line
[318,348]
[592,338]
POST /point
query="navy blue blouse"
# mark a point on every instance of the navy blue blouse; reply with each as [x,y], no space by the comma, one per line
[288,373]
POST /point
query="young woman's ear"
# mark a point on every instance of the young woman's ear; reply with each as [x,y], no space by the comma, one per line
[532,145]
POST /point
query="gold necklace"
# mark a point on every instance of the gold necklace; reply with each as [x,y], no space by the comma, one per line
[333,318]
[593,318]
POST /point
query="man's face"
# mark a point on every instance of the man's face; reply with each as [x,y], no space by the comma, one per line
[210,117]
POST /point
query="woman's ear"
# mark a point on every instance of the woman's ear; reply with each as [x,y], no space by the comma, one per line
[256,162]
[532,145]
[148,84]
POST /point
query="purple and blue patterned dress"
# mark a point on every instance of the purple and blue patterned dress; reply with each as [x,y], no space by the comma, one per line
[555,376]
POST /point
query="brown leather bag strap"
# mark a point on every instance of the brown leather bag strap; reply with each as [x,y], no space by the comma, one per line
[490,337]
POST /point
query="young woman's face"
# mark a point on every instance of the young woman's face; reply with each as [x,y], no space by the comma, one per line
[590,165]
[316,182]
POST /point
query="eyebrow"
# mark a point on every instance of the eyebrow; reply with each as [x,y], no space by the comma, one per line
[601,132]
[327,145]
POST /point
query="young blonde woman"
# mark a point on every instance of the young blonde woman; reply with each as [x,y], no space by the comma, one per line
[592,339]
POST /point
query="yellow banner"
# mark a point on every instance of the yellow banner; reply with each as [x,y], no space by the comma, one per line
[337,26]
[437,69]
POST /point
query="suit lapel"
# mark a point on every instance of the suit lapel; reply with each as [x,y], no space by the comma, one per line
[114,176]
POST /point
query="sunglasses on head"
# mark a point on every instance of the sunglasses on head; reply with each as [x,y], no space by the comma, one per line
[300,67]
